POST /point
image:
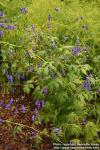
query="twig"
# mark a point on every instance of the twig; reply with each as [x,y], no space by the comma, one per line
[25,126]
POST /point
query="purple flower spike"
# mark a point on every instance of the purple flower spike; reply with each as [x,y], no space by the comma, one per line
[57,131]
[5,20]
[1,14]
[1,103]
[87,27]
[53,45]
[53,75]
[8,106]
[1,121]
[23,109]
[40,65]
[63,73]
[10,27]
[21,9]
[1,34]
[33,134]
[89,87]
[42,102]
[76,50]
[31,69]
[33,118]
[33,27]
[34,48]
[36,111]
[83,26]
[48,25]
[49,17]
[38,106]
[2,25]
[10,78]
[23,76]
[11,101]
[45,91]
[16,110]
[36,102]
[25,10]
[86,85]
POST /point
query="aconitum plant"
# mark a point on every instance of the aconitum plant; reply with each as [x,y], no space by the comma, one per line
[10,27]
[49,53]
[1,13]
[23,109]
[8,106]
[1,34]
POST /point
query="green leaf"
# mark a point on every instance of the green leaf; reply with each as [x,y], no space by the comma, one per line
[54,136]
[74,129]
[37,139]
[45,132]
[17,130]
[28,86]
[90,131]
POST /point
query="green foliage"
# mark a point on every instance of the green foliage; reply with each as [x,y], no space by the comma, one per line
[90,131]
[49,51]
[17,130]
[37,139]
[28,86]
[74,129]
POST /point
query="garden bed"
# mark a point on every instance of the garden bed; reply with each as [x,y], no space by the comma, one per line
[10,136]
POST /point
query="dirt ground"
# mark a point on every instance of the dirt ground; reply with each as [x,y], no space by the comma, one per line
[24,139]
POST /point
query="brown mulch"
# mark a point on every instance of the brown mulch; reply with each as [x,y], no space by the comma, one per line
[22,140]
